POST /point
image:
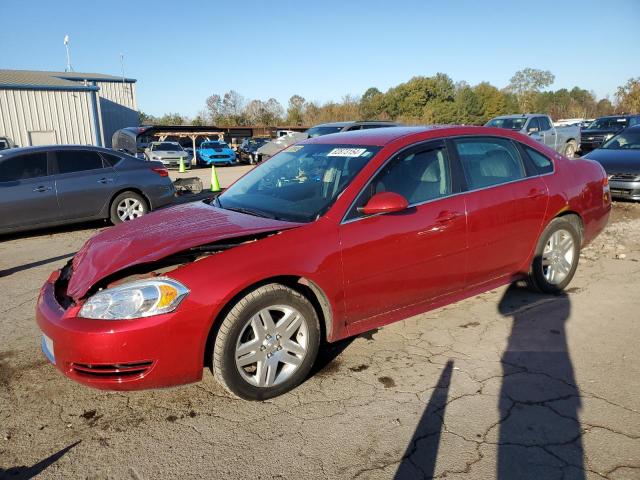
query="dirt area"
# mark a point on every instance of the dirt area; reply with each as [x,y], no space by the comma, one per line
[508,385]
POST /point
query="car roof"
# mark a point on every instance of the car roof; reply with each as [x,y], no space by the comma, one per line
[384,136]
[522,115]
[356,122]
[48,148]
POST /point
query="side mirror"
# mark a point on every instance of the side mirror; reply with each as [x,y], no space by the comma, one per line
[533,130]
[385,202]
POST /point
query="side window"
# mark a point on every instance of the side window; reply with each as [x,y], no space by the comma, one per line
[634,121]
[78,160]
[355,127]
[488,161]
[534,125]
[23,167]
[544,123]
[542,163]
[419,175]
[109,159]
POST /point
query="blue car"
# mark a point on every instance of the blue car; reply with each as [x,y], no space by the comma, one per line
[216,153]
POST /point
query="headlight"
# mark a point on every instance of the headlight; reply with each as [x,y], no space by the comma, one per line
[141,298]
[155,158]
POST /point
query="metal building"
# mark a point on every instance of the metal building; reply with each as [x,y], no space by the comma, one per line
[42,108]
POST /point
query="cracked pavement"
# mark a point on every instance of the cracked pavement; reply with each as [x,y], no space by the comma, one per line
[508,384]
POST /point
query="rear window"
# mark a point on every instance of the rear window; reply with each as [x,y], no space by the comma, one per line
[78,160]
[111,160]
[542,163]
[489,161]
[23,167]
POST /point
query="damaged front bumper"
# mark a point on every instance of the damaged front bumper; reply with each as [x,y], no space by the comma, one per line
[159,351]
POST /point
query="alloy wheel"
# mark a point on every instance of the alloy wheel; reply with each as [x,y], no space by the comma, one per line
[272,345]
[558,256]
[130,208]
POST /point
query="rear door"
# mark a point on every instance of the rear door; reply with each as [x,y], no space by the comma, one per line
[396,260]
[27,192]
[84,183]
[505,204]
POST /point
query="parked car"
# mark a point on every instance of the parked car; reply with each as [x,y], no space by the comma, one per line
[620,157]
[169,153]
[337,127]
[604,128]
[5,143]
[216,153]
[331,237]
[270,148]
[565,140]
[247,150]
[54,185]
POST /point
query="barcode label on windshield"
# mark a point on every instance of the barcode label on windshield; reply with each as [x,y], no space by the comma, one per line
[346,152]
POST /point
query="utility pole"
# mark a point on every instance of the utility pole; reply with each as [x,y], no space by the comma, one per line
[66,46]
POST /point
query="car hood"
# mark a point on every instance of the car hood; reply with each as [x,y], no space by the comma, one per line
[587,133]
[616,161]
[158,235]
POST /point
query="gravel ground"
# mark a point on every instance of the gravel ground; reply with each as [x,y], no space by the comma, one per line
[506,385]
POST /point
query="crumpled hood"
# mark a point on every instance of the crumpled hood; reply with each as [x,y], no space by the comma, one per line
[158,235]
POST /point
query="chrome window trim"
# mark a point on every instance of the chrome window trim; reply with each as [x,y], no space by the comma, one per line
[345,221]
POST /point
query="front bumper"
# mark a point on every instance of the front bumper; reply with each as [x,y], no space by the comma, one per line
[152,352]
[175,163]
[626,190]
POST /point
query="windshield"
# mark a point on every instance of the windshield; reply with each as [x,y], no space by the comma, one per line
[166,147]
[213,145]
[508,123]
[319,131]
[609,123]
[624,141]
[298,184]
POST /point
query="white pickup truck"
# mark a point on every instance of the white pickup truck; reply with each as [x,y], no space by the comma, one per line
[565,140]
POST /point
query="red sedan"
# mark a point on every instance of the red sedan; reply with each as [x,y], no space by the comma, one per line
[331,237]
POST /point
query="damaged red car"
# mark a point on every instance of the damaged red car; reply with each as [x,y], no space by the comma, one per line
[331,237]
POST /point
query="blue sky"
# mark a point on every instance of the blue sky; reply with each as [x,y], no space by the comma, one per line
[181,52]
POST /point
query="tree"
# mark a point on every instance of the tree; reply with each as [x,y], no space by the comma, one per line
[170,119]
[491,100]
[527,83]
[214,107]
[145,119]
[468,109]
[233,108]
[628,96]
[371,104]
[295,110]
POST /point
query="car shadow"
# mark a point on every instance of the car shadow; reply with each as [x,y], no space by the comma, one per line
[419,460]
[24,472]
[539,429]
[26,266]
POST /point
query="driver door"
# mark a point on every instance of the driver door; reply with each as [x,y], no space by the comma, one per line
[396,260]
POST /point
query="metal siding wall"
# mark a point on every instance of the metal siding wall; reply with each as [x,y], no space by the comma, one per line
[68,114]
[117,107]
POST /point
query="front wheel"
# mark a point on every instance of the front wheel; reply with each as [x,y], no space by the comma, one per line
[556,257]
[267,343]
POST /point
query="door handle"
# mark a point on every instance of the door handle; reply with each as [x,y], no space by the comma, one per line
[105,180]
[535,193]
[41,189]
[447,216]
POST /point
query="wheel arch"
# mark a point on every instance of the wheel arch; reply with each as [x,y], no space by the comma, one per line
[573,217]
[309,289]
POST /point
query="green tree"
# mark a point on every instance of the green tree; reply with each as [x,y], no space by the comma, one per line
[371,104]
[628,96]
[492,101]
[295,110]
[468,108]
[526,84]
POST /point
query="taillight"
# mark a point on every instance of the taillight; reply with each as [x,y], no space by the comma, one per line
[606,191]
[163,172]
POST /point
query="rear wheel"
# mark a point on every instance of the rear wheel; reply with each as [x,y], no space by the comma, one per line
[127,206]
[556,257]
[267,343]
[570,149]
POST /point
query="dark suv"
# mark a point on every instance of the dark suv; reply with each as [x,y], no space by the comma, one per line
[604,128]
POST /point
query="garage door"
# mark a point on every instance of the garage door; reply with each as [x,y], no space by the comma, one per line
[42,137]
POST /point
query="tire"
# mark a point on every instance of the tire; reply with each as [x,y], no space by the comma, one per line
[127,206]
[244,335]
[556,256]
[570,149]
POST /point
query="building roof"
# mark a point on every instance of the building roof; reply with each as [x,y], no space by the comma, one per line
[41,80]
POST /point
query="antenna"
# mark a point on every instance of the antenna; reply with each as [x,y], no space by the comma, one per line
[68,68]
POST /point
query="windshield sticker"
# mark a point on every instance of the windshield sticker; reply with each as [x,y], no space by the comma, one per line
[294,148]
[346,152]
